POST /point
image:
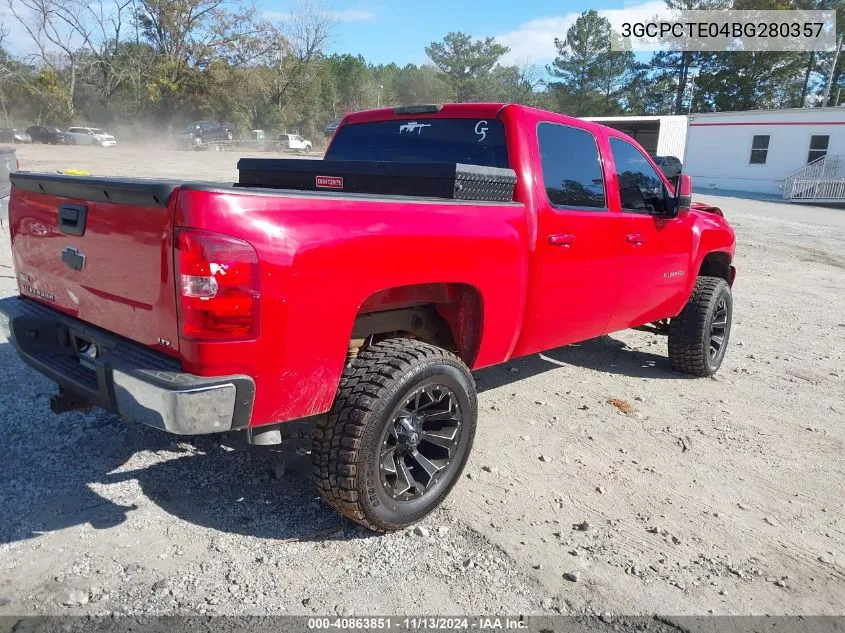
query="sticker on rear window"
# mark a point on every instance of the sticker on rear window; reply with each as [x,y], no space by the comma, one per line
[330,182]
[412,126]
[481,129]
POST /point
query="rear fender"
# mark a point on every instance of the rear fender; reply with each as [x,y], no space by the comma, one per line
[326,259]
[458,306]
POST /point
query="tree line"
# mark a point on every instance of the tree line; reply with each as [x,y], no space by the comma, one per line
[136,65]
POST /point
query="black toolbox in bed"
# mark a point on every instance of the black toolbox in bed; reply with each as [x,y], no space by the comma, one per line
[454,181]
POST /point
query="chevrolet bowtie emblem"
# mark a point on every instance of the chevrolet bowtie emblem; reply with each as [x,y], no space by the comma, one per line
[73,258]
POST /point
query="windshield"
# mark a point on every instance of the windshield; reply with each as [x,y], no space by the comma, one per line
[54,129]
[96,130]
[471,141]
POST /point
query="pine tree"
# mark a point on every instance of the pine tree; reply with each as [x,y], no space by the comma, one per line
[466,63]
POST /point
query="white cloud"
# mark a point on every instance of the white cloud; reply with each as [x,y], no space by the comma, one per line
[352,14]
[276,16]
[533,41]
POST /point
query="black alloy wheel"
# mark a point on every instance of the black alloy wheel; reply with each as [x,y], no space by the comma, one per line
[420,441]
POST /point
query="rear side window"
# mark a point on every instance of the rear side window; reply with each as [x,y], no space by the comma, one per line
[470,141]
[572,172]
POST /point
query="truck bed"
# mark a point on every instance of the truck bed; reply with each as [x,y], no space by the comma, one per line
[322,257]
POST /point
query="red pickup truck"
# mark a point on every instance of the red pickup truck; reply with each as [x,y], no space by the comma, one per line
[200,308]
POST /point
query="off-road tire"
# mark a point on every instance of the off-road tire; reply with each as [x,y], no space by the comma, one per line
[690,331]
[347,441]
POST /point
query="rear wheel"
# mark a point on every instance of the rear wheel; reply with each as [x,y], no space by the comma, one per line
[398,435]
[698,337]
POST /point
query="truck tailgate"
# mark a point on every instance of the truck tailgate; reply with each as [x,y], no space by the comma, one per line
[100,250]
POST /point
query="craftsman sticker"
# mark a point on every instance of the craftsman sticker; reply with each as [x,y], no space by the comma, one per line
[330,182]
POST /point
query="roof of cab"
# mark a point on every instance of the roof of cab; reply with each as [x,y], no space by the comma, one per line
[470,111]
[446,110]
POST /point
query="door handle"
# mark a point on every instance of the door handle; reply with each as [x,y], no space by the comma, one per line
[564,240]
[635,239]
[72,219]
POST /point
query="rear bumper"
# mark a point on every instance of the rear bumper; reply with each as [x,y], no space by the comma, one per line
[123,377]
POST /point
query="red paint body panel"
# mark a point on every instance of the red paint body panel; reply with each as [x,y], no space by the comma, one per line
[351,250]
[512,278]
[127,283]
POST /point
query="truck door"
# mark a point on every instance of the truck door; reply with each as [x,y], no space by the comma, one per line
[656,249]
[578,241]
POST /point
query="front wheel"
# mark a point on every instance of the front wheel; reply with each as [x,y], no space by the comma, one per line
[398,435]
[698,337]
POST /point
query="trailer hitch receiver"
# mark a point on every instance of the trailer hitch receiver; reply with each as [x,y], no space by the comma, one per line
[65,401]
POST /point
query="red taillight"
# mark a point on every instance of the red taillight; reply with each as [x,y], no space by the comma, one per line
[217,281]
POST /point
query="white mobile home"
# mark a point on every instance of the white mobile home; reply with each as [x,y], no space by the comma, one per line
[798,154]
[659,135]
[766,151]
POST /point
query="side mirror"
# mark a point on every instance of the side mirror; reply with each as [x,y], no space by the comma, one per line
[683,193]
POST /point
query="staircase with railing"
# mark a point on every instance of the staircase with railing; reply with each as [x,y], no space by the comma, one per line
[820,181]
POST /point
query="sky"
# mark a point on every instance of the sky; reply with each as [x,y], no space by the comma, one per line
[385,32]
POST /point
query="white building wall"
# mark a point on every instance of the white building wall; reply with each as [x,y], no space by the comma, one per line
[671,131]
[718,148]
[672,138]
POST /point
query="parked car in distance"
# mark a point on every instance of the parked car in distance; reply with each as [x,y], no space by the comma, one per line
[13,135]
[294,143]
[670,165]
[50,134]
[200,132]
[331,128]
[91,136]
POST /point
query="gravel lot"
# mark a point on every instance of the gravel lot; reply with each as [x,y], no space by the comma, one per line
[722,495]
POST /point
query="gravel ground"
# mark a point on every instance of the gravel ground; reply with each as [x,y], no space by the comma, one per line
[684,496]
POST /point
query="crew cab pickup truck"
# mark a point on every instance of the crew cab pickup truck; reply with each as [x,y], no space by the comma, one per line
[200,308]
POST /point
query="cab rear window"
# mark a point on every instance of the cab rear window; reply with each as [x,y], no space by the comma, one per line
[470,141]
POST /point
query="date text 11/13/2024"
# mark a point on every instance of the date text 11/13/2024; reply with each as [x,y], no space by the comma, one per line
[419,623]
